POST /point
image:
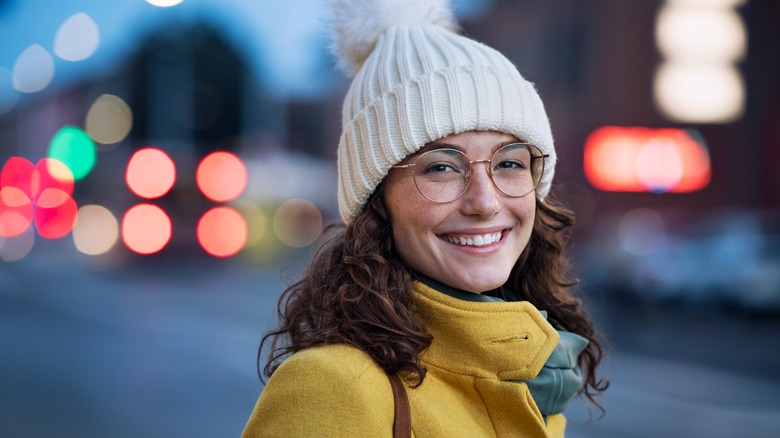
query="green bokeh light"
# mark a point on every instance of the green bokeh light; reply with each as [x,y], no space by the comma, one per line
[73,147]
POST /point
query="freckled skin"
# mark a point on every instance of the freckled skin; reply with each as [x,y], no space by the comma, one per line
[418,224]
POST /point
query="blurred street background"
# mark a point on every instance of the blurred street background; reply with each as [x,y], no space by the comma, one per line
[166,167]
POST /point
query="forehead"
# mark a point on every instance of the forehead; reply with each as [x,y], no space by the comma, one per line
[472,141]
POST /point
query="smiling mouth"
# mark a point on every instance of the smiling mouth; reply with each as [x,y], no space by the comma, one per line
[473,239]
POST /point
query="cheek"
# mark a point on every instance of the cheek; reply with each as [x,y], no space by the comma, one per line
[526,214]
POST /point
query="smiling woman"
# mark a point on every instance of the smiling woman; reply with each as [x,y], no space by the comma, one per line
[447,288]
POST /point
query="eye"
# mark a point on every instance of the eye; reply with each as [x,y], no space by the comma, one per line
[510,164]
[442,162]
[440,168]
[512,158]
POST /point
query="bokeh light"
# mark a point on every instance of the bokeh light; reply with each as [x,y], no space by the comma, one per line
[33,70]
[146,229]
[262,244]
[77,38]
[297,223]
[164,3]
[55,173]
[17,195]
[701,33]
[108,120]
[658,165]
[16,248]
[641,231]
[698,80]
[73,147]
[32,179]
[150,173]
[702,93]
[16,212]
[55,213]
[17,172]
[40,194]
[222,231]
[642,159]
[96,230]
[221,176]
[257,222]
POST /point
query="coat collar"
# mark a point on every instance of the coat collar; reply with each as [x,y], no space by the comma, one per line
[504,340]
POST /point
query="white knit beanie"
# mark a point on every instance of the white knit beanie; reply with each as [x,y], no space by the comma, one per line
[416,81]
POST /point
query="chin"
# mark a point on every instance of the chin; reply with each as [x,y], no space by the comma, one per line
[483,284]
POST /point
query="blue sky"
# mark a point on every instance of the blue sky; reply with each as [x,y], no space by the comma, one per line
[283,40]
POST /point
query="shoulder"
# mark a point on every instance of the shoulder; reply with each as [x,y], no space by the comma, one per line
[324,391]
[337,359]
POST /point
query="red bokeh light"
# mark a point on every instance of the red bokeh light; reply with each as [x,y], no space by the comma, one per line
[40,193]
[16,212]
[150,173]
[146,229]
[221,176]
[645,160]
[55,214]
[222,232]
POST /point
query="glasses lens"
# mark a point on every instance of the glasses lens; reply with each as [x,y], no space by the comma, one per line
[440,175]
[517,169]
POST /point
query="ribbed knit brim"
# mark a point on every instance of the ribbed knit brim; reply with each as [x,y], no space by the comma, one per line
[422,83]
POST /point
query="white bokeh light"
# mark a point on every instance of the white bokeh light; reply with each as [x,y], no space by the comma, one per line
[33,70]
[164,3]
[96,230]
[699,93]
[77,38]
[108,120]
[701,42]
[704,34]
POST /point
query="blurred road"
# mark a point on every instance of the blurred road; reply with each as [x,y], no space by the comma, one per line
[168,350]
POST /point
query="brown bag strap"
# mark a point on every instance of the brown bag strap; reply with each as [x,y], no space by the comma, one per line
[402,424]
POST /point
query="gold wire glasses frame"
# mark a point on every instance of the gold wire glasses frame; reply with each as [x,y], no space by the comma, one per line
[443,175]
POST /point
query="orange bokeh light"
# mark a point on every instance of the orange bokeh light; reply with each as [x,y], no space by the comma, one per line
[150,173]
[221,176]
[222,232]
[646,160]
[146,229]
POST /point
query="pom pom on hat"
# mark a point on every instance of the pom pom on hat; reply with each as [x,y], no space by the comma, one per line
[416,81]
[357,24]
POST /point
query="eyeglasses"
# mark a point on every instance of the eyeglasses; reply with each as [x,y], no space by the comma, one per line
[443,175]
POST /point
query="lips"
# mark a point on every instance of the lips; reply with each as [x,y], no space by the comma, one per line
[473,239]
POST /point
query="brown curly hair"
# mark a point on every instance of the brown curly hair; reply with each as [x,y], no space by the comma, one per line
[357,291]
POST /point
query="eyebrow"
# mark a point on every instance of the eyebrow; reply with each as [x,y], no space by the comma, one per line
[443,145]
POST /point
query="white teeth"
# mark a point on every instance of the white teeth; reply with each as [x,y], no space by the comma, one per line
[478,240]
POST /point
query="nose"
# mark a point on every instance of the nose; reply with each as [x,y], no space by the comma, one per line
[481,197]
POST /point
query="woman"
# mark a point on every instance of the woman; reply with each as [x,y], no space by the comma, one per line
[449,270]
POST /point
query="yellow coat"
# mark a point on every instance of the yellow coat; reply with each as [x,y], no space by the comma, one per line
[478,350]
